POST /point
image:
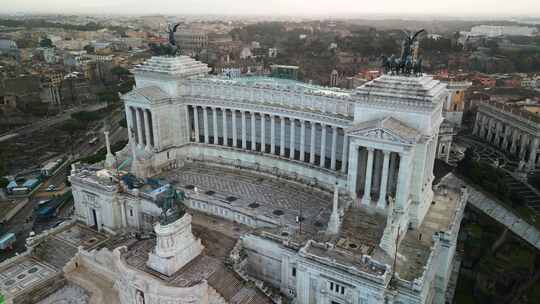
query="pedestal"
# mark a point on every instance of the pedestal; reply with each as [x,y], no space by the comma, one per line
[175,246]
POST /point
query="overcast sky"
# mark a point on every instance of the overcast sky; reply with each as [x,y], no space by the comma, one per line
[458,8]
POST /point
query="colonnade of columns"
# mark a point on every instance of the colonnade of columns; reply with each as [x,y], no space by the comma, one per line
[375,174]
[508,138]
[306,141]
[141,130]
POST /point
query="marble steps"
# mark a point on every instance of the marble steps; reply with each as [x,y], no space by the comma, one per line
[55,252]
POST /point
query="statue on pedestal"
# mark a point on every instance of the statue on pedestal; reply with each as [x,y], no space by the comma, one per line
[170,49]
[171,205]
[409,63]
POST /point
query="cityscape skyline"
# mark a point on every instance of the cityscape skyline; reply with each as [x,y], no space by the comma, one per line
[340,8]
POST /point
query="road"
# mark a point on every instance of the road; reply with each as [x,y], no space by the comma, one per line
[50,121]
[23,222]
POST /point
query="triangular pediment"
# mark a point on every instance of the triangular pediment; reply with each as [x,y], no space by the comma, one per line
[150,94]
[386,129]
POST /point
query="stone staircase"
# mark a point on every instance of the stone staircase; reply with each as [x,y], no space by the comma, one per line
[234,290]
[55,252]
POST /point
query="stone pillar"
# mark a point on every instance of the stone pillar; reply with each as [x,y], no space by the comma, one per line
[205,122]
[490,130]
[244,139]
[404,180]
[214,124]
[476,123]
[292,139]
[513,145]
[312,143]
[132,128]
[253,132]
[333,224]
[146,117]
[234,130]
[272,134]
[523,146]
[504,145]
[353,170]
[381,203]
[302,140]
[344,156]
[323,146]
[532,154]
[366,199]
[263,133]
[196,123]
[334,144]
[482,127]
[139,128]
[109,158]
[225,135]
[496,140]
[282,137]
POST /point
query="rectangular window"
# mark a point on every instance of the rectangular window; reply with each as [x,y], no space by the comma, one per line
[294,271]
[130,212]
[331,286]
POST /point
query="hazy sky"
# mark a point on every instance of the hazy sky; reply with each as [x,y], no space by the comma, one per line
[281,7]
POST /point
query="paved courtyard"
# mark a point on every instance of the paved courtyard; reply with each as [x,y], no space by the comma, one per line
[24,274]
[259,195]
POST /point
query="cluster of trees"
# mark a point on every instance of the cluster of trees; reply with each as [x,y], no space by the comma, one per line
[489,178]
[33,23]
[102,153]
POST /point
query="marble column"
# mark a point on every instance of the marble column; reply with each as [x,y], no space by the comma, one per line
[323,146]
[404,180]
[513,146]
[253,131]
[140,140]
[476,123]
[205,122]
[196,123]
[482,127]
[234,130]
[344,156]
[132,128]
[302,140]
[312,143]
[381,203]
[392,173]
[334,144]
[214,125]
[366,199]
[523,146]
[244,139]
[532,154]
[146,116]
[352,176]
[282,137]
[272,134]
[225,135]
[490,130]
[292,139]
[263,133]
[496,140]
[504,145]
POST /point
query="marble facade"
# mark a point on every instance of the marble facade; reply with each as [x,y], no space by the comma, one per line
[374,147]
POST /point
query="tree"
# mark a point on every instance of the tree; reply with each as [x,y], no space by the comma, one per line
[120,71]
[3,182]
[46,43]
